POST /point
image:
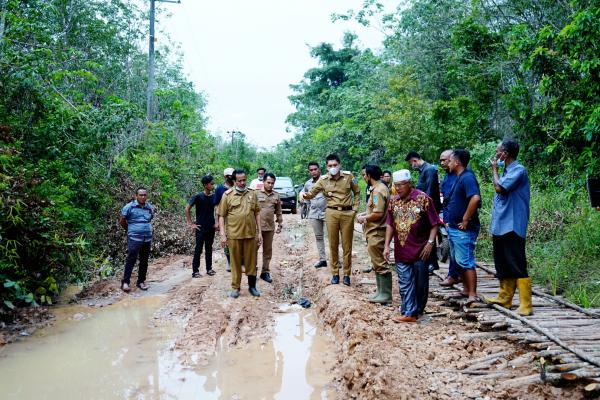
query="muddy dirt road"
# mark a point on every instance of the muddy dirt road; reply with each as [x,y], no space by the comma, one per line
[186,339]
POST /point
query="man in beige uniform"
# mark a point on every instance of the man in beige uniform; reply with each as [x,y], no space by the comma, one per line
[270,206]
[374,228]
[343,198]
[239,225]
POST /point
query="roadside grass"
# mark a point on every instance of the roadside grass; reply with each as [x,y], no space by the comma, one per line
[563,243]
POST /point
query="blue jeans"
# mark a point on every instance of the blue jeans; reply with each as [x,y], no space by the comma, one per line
[413,281]
[462,247]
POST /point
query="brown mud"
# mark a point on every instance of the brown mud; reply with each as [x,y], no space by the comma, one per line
[359,351]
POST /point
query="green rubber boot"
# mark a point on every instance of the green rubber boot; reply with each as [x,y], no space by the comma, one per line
[385,290]
[378,281]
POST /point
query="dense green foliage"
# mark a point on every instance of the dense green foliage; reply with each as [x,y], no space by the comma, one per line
[73,130]
[467,74]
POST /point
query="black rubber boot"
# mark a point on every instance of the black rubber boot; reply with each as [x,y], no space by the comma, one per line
[252,286]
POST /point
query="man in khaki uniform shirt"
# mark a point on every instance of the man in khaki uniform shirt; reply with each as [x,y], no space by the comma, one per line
[374,228]
[343,199]
[239,225]
[270,206]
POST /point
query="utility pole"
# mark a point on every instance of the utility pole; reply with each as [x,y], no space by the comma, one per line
[151,79]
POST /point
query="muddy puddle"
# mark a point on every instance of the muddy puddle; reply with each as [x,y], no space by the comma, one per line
[125,351]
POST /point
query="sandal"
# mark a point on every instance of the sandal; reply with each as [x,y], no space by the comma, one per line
[142,286]
[210,272]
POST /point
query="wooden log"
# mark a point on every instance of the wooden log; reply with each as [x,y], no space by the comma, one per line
[529,380]
[545,332]
[495,375]
[522,360]
[567,367]
[579,374]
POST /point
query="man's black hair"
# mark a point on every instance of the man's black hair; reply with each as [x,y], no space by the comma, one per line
[206,179]
[387,171]
[511,146]
[261,169]
[316,164]
[412,154]
[237,172]
[269,175]
[373,171]
[137,191]
[462,155]
[332,157]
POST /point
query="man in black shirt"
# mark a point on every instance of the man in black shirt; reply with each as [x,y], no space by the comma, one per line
[204,226]
[430,184]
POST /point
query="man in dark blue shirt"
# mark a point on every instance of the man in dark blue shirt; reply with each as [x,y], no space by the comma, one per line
[135,219]
[205,225]
[463,220]
[445,189]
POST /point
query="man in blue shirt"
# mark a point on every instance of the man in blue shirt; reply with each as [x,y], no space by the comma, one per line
[205,225]
[463,221]
[135,219]
[445,189]
[510,216]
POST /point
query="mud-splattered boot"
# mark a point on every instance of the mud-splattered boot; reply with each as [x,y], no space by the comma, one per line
[505,296]
[378,282]
[525,306]
[385,290]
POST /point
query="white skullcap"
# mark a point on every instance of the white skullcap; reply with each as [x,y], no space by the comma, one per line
[228,171]
[401,176]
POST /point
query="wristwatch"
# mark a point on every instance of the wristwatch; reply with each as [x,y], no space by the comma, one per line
[430,241]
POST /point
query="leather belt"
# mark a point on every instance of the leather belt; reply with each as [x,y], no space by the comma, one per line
[340,208]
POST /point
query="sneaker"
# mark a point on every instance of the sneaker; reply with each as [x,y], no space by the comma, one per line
[211,272]
[196,275]
[125,287]
[142,286]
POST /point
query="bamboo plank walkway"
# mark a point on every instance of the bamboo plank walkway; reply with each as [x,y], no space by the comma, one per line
[563,337]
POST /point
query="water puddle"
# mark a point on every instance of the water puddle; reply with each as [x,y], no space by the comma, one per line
[120,352]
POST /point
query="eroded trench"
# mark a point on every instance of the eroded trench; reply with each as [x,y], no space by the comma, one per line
[124,350]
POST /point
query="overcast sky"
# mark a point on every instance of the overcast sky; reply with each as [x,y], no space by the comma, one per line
[244,55]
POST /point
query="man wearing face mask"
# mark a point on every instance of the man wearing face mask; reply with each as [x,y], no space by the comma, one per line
[510,216]
[239,226]
[343,198]
[316,212]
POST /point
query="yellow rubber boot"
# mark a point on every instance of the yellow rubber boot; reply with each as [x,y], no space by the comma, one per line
[525,306]
[505,296]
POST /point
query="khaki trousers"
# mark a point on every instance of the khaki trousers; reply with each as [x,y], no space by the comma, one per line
[267,249]
[242,249]
[340,223]
[317,226]
[375,246]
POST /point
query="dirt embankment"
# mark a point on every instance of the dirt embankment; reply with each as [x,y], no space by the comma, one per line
[376,358]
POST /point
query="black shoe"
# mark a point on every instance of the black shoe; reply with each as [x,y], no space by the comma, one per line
[252,286]
[196,275]
[142,286]
[211,272]
[265,276]
[234,294]
[335,280]
[320,264]
[346,280]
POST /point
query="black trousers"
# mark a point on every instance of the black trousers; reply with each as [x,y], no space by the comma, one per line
[136,249]
[205,239]
[509,256]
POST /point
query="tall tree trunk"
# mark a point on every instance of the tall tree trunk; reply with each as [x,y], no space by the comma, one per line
[2,18]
